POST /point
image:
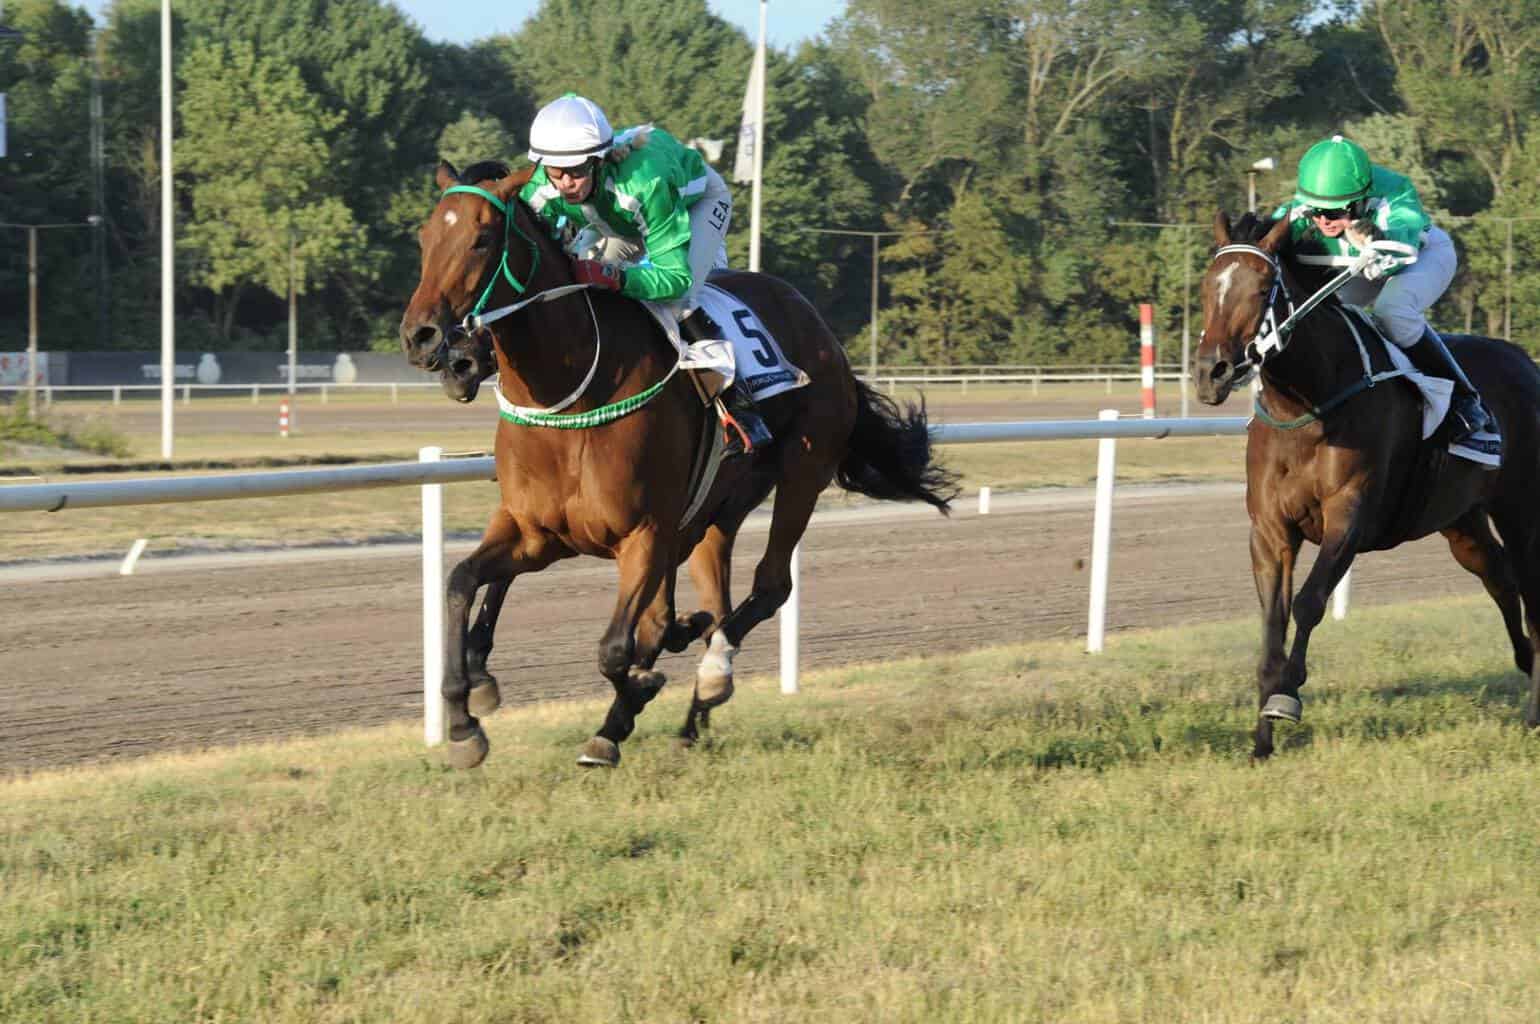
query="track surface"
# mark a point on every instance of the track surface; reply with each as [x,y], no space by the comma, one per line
[198,652]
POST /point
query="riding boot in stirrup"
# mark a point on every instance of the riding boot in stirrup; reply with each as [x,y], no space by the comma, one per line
[1474,427]
[743,428]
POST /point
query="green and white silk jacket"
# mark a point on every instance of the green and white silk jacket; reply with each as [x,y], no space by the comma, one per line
[646,196]
[1393,210]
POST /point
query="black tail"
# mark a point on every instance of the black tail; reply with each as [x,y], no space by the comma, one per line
[890,455]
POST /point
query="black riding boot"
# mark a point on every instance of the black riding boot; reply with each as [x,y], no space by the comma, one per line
[1473,425]
[742,426]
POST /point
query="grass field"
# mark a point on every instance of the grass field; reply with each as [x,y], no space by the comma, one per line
[1025,833]
[376,514]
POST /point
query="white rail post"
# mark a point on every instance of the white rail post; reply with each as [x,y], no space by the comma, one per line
[983,501]
[1339,596]
[791,616]
[432,604]
[1101,538]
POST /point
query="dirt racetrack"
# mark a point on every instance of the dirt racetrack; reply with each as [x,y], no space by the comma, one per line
[202,651]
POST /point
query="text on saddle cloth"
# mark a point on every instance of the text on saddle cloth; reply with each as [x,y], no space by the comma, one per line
[748,354]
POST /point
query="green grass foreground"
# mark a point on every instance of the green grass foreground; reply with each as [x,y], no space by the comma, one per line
[1025,833]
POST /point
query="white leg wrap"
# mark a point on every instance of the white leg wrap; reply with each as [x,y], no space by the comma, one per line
[718,661]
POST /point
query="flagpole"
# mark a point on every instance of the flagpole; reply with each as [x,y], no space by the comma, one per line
[167,266]
[759,142]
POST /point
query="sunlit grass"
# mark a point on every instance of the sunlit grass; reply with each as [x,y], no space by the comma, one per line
[1025,833]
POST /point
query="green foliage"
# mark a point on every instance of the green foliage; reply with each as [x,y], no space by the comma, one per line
[1021,127]
[92,436]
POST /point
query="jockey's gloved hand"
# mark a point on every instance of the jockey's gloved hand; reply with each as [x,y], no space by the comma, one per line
[1388,255]
[600,275]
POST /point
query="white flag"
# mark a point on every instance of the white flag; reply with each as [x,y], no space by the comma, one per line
[743,163]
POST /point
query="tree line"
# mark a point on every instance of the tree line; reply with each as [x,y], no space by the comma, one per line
[1036,168]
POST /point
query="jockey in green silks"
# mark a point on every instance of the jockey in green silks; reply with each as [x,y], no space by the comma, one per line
[1344,204]
[641,214]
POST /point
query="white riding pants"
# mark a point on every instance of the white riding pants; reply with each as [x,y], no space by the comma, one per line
[1398,302]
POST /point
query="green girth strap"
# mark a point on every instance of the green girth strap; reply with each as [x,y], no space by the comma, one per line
[583,420]
[1317,412]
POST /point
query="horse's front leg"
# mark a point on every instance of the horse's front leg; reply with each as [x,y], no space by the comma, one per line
[505,552]
[1274,547]
[484,697]
[1339,545]
[646,566]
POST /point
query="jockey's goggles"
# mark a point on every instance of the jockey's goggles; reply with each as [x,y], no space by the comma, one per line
[1337,213]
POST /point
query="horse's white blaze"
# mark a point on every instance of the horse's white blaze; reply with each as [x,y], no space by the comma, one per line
[1222,280]
[450,217]
[718,660]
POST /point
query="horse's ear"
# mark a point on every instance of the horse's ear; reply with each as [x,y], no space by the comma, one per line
[1221,228]
[1275,235]
[506,188]
[446,175]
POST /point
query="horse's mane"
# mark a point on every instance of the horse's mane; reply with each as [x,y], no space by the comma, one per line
[485,170]
[1251,228]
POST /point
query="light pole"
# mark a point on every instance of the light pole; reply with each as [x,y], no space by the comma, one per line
[1267,163]
[32,230]
[1186,284]
[876,237]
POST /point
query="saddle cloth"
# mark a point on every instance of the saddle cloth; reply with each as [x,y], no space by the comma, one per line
[1434,391]
[748,354]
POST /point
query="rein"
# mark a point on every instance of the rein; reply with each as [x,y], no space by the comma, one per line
[475,320]
[1274,336]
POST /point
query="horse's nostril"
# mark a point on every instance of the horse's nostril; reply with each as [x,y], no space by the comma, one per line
[425,335]
[1220,371]
[461,367]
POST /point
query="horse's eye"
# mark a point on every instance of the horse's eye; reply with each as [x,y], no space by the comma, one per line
[483,241]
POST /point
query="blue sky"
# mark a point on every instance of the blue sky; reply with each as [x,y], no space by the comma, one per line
[790,21]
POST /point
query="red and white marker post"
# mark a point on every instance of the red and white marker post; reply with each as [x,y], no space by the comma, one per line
[283,418]
[1147,358]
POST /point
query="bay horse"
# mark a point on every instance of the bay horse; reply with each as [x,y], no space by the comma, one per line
[1333,459]
[620,489]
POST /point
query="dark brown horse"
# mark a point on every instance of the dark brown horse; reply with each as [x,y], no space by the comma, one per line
[1339,462]
[620,490]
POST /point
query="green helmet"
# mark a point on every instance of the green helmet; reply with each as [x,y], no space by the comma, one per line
[1333,173]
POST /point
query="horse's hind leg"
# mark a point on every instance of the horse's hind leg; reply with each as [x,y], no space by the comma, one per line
[645,567]
[503,554]
[1473,546]
[1521,543]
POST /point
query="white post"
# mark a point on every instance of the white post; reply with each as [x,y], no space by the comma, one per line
[1339,596]
[759,145]
[790,615]
[132,558]
[1101,537]
[432,604]
[983,501]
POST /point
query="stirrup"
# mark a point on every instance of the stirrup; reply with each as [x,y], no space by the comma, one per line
[738,438]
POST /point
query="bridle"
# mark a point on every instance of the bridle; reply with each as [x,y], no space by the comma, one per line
[476,320]
[1273,335]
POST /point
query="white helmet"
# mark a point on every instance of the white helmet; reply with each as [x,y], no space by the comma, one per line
[568,131]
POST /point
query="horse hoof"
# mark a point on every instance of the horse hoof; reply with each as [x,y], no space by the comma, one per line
[485,698]
[1283,708]
[599,752]
[469,752]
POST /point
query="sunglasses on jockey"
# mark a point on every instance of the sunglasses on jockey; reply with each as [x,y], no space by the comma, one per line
[1350,212]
